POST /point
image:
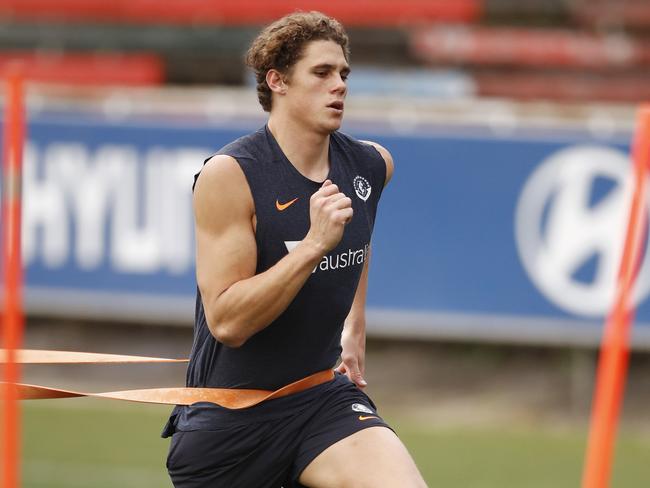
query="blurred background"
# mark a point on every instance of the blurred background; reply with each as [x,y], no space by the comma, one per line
[495,251]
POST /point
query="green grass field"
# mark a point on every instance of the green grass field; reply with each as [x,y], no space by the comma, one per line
[101,444]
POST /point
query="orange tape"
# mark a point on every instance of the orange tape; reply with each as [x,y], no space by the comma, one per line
[38,356]
[233,398]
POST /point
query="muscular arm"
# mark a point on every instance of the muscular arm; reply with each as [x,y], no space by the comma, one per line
[237,302]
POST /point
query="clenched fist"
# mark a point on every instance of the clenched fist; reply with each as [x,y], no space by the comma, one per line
[329,212]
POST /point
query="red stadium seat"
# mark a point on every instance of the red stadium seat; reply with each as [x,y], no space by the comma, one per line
[87,68]
[359,12]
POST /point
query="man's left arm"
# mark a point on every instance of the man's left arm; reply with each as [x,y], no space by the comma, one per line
[353,338]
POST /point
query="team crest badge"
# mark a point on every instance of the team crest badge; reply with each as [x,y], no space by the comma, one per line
[361,187]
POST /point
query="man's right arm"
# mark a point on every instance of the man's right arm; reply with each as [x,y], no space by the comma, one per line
[237,302]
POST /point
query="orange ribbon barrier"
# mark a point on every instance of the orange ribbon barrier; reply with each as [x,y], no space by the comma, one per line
[233,398]
[37,356]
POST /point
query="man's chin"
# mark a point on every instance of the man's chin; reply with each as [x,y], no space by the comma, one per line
[332,126]
[326,127]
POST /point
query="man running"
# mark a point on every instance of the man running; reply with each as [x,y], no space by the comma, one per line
[284,218]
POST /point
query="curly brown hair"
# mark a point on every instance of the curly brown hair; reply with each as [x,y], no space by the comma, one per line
[281,44]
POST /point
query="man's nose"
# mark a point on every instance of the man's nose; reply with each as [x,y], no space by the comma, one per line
[340,84]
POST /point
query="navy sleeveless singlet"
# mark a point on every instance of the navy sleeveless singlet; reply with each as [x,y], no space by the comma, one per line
[305,338]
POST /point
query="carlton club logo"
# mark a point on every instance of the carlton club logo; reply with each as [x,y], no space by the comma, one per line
[570,224]
[361,187]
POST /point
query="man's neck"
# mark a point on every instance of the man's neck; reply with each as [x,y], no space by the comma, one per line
[307,150]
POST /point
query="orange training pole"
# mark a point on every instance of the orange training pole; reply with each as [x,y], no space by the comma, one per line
[614,352]
[12,269]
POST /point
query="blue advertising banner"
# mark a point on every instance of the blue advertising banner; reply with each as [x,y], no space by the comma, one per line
[503,237]
[479,235]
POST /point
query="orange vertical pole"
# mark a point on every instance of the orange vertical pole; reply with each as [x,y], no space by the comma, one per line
[614,351]
[12,270]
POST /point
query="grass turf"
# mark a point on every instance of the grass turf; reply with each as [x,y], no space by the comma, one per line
[95,443]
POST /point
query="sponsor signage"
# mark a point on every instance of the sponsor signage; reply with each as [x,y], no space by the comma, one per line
[505,238]
[487,236]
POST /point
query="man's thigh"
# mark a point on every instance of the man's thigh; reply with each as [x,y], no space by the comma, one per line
[239,457]
[372,458]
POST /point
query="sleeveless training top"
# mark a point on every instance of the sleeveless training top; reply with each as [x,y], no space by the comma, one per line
[305,338]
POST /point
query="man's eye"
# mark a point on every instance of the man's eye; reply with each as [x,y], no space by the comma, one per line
[344,77]
[321,73]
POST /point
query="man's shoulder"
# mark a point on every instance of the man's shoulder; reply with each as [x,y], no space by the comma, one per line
[248,146]
[347,139]
[371,150]
[376,154]
[221,184]
[350,142]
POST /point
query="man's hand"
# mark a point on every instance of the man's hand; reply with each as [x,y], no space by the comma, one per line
[353,356]
[329,212]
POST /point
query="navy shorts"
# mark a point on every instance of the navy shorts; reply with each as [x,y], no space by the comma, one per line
[268,445]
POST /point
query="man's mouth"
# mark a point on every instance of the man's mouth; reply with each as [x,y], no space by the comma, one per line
[336,105]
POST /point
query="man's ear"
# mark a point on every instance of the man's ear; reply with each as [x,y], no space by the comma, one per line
[275,81]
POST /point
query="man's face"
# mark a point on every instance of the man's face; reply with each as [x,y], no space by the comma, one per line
[317,86]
